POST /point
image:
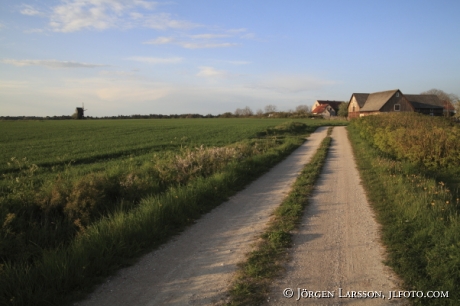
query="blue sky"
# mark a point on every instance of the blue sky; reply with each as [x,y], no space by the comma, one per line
[122,57]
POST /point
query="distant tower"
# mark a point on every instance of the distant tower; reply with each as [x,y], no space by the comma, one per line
[80,111]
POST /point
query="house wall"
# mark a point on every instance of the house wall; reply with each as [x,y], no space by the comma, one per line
[405,106]
[353,108]
[331,111]
[428,111]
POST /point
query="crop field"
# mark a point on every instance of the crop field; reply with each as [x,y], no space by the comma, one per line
[79,199]
[48,143]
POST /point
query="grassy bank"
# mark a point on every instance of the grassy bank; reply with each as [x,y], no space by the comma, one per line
[419,214]
[251,286]
[58,275]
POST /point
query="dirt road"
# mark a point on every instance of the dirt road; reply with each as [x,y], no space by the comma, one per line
[197,266]
[337,244]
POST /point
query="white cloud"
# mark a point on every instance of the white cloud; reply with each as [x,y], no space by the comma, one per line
[76,15]
[50,63]
[156,60]
[211,72]
[29,10]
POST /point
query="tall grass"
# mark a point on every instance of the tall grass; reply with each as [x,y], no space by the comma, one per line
[419,216]
[56,274]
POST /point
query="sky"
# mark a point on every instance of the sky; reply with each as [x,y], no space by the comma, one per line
[122,57]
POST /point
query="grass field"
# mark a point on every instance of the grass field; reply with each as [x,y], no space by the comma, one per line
[79,199]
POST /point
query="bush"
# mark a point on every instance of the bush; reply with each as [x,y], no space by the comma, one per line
[428,141]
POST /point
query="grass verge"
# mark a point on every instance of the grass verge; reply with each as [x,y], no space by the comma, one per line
[251,285]
[420,221]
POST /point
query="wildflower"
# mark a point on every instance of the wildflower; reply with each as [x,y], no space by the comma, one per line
[432,203]
[447,202]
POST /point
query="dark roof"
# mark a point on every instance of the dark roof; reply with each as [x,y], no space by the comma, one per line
[375,101]
[334,104]
[428,101]
[360,98]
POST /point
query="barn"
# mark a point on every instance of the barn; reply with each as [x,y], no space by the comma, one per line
[364,104]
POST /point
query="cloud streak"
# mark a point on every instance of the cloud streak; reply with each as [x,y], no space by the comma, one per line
[199,41]
[50,63]
[156,60]
[211,72]
[189,44]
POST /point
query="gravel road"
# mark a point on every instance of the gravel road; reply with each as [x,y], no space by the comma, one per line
[196,267]
[337,244]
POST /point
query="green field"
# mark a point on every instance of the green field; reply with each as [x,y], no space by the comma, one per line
[79,199]
[47,143]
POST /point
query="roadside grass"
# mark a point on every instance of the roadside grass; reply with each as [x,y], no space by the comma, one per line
[419,217]
[62,274]
[252,282]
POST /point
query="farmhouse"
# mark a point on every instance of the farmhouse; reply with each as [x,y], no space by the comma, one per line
[364,104]
[326,108]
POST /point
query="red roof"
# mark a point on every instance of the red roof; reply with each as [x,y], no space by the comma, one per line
[334,104]
[320,109]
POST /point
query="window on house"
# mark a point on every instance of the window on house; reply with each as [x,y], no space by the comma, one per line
[397,107]
[397,95]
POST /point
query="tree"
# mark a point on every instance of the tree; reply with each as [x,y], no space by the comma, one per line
[302,109]
[247,111]
[270,108]
[243,112]
[343,110]
[260,112]
[238,112]
[446,98]
[226,115]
